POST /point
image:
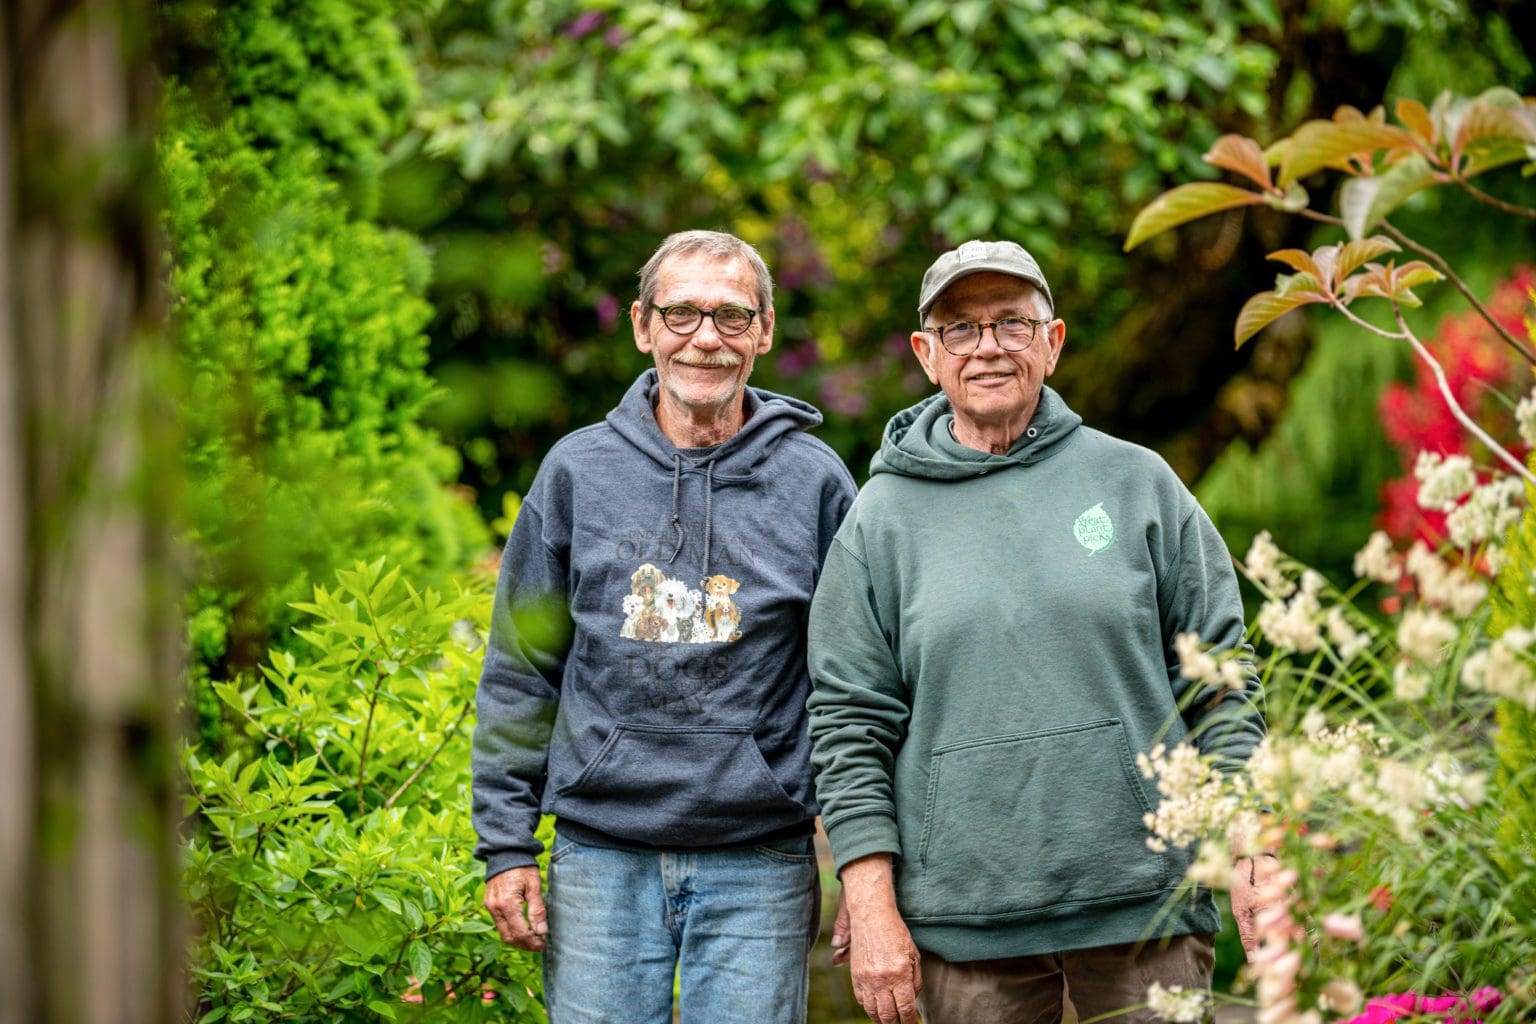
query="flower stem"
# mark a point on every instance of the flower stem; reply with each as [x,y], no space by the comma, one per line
[1456,410]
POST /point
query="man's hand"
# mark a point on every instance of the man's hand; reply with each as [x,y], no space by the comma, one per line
[506,896]
[840,933]
[1254,887]
[886,969]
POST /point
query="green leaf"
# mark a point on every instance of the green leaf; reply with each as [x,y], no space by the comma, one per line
[420,959]
[383,1008]
[1266,307]
[1186,203]
[1416,273]
[1319,144]
[1293,200]
[1365,201]
[1353,255]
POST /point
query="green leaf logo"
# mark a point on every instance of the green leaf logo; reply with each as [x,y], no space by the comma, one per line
[1094,530]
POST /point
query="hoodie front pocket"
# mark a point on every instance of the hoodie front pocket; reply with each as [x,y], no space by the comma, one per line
[1032,826]
[679,786]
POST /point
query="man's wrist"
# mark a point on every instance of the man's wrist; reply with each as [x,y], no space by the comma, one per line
[868,884]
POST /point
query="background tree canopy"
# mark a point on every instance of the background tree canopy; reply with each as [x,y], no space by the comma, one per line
[556,142]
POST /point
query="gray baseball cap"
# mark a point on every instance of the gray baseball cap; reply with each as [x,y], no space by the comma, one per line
[974,257]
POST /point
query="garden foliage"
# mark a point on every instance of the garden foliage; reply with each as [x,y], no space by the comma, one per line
[1393,788]
[330,873]
[299,319]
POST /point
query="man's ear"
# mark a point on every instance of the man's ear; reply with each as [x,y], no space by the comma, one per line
[925,347]
[1056,337]
[766,341]
[642,336]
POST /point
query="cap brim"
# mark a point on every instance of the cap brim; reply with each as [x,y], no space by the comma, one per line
[979,267]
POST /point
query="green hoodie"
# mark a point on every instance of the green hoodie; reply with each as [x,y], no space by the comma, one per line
[991,645]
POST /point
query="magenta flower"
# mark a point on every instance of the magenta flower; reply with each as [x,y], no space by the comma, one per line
[1389,1008]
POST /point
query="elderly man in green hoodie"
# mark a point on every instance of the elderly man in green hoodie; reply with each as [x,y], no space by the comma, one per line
[991,645]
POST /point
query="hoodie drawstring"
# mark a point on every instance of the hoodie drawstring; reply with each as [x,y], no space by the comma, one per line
[677,478]
[709,508]
[709,499]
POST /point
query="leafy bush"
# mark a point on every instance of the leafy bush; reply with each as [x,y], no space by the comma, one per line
[330,872]
[299,322]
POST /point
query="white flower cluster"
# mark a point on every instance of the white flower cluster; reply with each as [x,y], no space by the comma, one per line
[1525,418]
[1178,1005]
[1443,586]
[1502,669]
[1196,800]
[1448,782]
[1347,641]
[1199,665]
[1492,509]
[1294,770]
[1424,634]
[1409,682]
[1263,565]
[1443,480]
[1294,625]
[1376,561]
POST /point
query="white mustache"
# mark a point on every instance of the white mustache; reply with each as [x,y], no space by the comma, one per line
[711,360]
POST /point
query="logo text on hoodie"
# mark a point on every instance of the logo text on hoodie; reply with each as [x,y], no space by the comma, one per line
[1094,529]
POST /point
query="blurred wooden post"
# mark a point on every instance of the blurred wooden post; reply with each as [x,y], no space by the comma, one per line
[89,925]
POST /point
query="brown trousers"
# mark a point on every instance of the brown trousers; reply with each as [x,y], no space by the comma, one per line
[1038,989]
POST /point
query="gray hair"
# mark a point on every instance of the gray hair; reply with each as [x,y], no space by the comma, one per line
[715,244]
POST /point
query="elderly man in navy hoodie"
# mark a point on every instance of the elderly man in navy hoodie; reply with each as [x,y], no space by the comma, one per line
[684,535]
[992,643]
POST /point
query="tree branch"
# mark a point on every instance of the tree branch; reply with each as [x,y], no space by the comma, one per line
[448,735]
[1445,268]
[1455,407]
[1493,201]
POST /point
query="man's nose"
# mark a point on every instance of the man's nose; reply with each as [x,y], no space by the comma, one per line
[706,336]
[989,331]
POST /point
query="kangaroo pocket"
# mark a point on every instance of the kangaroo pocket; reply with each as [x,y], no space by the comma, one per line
[679,786]
[1032,825]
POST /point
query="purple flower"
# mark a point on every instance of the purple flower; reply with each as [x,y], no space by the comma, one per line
[607,309]
[797,360]
[584,25]
[615,37]
[841,392]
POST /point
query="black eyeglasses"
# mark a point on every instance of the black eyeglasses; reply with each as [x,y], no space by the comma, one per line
[683,318]
[1013,334]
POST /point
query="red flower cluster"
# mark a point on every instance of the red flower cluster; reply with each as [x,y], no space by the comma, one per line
[1478,365]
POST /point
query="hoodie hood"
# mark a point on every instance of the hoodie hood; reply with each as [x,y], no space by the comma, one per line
[918,442]
[769,417]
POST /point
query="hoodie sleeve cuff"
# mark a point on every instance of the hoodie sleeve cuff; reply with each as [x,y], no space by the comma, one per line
[496,863]
[860,836]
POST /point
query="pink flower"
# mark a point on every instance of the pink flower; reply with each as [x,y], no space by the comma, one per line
[1389,1008]
[1344,926]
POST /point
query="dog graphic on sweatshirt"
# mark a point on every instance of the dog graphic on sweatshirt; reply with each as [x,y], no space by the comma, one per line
[645,622]
[722,618]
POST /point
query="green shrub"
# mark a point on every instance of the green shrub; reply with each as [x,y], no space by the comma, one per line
[330,872]
[299,321]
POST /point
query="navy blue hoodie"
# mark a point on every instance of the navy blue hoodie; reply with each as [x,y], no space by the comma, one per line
[674,716]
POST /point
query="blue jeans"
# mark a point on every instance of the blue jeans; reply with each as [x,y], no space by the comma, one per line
[741,923]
